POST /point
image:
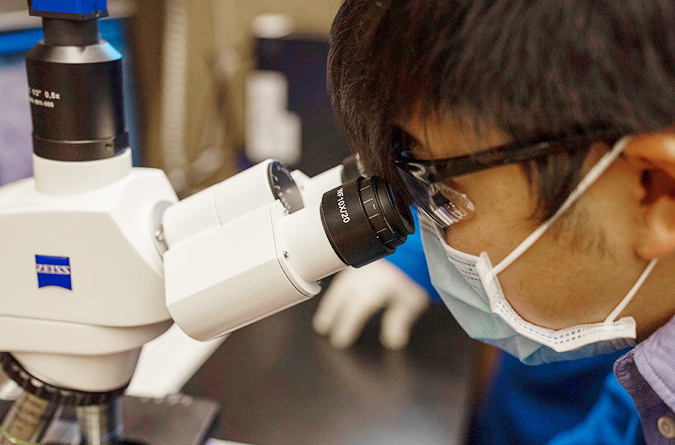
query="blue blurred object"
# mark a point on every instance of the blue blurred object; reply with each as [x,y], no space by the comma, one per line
[20,41]
[70,6]
[409,257]
[532,404]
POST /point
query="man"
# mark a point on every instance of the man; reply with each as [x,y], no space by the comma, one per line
[536,137]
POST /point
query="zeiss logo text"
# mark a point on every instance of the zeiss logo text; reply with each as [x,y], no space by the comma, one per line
[53,271]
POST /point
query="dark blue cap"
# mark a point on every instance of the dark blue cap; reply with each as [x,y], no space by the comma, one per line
[77,8]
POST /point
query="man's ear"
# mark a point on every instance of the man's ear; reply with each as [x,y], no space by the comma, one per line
[655,157]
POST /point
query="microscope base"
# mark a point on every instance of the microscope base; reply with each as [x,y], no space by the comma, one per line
[174,420]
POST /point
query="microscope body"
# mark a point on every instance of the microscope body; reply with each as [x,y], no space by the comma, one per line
[83,282]
[98,258]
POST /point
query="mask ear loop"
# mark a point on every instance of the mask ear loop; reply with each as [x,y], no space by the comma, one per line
[597,170]
[629,296]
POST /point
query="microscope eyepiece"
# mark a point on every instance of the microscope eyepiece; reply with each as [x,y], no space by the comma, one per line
[364,221]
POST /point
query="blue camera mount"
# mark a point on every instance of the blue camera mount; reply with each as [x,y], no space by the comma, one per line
[69,9]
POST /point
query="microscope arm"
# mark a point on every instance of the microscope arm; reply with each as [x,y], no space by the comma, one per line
[260,242]
[98,257]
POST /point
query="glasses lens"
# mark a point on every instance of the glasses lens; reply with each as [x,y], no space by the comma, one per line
[440,202]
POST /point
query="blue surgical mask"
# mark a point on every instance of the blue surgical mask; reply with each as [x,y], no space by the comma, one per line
[469,286]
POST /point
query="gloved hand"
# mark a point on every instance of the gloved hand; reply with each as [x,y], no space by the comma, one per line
[355,295]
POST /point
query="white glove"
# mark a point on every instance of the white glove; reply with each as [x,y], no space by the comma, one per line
[355,295]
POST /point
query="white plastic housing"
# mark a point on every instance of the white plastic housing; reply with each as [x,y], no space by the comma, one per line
[312,189]
[116,272]
[306,244]
[242,271]
[98,215]
[218,204]
[92,373]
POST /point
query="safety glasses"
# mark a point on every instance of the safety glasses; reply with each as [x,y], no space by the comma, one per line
[429,181]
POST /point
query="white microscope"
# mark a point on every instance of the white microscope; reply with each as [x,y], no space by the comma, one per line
[98,258]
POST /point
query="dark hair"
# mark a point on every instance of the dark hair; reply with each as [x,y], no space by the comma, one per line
[529,68]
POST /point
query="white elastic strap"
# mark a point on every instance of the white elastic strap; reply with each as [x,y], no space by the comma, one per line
[629,296]
[597,170]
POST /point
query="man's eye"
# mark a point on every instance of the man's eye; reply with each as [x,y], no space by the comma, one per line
[404,142]
[409,142]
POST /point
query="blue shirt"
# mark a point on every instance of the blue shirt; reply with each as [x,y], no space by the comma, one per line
[531,405]
[612,420]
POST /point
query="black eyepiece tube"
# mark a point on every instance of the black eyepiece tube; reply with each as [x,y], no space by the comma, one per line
[364,221]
